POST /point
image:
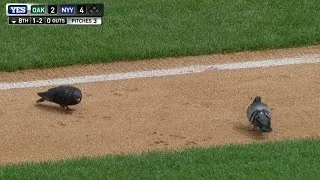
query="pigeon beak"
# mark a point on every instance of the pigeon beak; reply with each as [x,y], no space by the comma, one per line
[266,130]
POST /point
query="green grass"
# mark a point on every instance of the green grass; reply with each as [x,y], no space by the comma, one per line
[281,160]
[158,28]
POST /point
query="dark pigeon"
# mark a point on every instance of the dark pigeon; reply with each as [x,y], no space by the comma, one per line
[259,115]
[62,95]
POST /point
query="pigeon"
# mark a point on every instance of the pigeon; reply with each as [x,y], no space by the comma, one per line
[259,115]
[63,95]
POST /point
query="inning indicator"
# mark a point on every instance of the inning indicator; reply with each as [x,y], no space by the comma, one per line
[63,14]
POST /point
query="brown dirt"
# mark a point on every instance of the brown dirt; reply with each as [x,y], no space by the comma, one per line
[138,115]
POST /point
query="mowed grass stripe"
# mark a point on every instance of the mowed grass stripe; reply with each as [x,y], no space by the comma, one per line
[281,160]
[157,28]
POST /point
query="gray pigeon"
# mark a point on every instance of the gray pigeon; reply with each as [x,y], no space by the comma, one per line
[259,115]
[62,95]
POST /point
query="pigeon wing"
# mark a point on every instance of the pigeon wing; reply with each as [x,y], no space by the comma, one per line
[257,107]
[60,94]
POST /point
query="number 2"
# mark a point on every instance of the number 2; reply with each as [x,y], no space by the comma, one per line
[52,10]
[40,20]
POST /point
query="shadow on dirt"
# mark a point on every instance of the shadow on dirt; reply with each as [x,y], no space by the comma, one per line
[53,109]
[246,129]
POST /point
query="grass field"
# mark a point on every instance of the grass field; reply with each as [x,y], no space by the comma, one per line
[157,28]
[284,160]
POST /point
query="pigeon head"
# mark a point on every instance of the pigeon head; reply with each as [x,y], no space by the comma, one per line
[264,123]
[77,95]
[266,129]
[257,99]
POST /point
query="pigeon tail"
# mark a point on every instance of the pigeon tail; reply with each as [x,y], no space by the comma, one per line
[40,100]
[257,99]
[43,96]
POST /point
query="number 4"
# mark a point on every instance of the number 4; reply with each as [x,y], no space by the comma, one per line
[81,10]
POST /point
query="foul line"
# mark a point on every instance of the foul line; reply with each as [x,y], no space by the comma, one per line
[163,72]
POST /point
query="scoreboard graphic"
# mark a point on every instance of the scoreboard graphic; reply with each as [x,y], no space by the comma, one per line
[54,14]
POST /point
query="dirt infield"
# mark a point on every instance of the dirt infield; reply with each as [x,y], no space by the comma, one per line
[137,115]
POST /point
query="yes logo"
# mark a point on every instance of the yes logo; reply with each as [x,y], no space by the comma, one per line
[17,9]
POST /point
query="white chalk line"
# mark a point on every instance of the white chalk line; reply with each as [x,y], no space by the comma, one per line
[315,58]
